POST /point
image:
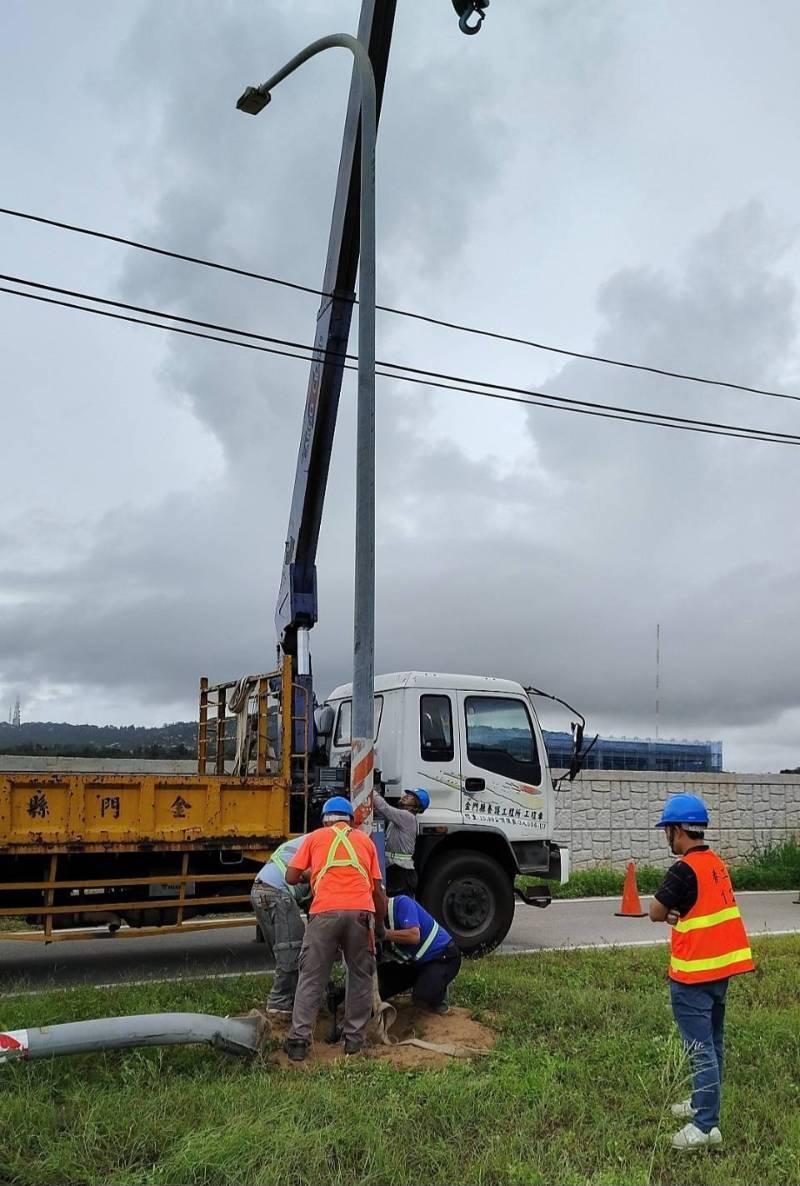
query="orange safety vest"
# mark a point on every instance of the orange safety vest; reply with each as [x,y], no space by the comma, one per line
[710,941]
[341,839]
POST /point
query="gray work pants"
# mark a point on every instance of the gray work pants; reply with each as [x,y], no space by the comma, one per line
[326,933]
[283,928]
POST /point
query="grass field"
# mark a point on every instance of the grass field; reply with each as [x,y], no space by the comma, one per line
[575,1091]
[775,868]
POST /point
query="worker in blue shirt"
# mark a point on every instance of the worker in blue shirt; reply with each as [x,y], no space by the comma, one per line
[421,956]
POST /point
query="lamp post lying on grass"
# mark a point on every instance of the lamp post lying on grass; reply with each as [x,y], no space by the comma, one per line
[232,1035]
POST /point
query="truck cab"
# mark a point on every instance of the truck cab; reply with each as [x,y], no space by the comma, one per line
[475,744]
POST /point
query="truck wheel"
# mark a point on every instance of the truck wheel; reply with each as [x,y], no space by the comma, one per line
[472,896]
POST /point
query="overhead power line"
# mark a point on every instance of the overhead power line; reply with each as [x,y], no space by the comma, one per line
[443,323]
[418,376]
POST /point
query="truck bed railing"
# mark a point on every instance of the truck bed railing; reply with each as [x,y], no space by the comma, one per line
[241,725]
[36,900]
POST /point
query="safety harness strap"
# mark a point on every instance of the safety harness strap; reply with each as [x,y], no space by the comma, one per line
[341,839]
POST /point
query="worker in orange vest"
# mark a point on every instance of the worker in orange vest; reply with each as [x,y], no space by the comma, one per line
[342,867]
[708,945]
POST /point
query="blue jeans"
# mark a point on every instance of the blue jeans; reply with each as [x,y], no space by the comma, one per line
[699,1011]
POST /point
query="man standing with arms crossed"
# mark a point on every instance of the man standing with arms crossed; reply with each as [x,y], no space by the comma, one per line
[708,945]
[345,877]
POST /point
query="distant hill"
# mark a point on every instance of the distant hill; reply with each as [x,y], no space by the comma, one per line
[176,740]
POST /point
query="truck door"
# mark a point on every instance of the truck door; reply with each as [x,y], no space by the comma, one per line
[503,772]
[434,753]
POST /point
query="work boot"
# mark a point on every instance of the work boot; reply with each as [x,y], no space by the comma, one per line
[684,1110]
[296,1048]
[442,1008]
[353,1046]
[692,1137]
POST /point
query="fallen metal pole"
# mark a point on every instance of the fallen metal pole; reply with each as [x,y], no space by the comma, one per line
[233,1035]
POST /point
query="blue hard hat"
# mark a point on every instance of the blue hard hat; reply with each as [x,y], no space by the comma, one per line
[422,796]
[684,809]
[338,805]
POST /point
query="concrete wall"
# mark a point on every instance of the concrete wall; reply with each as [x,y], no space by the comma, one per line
[606,816]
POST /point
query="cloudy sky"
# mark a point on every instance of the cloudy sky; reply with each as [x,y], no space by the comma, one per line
[618,178]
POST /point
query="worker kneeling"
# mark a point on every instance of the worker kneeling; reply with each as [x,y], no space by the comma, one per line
[421,956]
[342,866]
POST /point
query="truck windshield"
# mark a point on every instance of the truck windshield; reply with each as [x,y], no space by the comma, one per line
[500,738]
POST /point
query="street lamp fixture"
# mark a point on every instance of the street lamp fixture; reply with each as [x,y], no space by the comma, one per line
[254,100]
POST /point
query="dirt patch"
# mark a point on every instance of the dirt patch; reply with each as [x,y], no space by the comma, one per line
[457,1031]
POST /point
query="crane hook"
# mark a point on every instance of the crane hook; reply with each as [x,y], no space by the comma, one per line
[466,9]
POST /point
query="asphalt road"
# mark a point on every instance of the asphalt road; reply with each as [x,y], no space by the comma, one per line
[583,922]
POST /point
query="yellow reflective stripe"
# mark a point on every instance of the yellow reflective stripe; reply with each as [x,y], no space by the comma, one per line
[350,861]
[423,947]
[277,859]
[344,838]
[434,931]
[400,858]
[708,965]
[700,921]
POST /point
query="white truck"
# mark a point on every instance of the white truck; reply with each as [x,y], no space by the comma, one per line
[476,745]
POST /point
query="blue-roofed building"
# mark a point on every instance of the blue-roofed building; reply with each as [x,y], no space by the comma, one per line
[638,753]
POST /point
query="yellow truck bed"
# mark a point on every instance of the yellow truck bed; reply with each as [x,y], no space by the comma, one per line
[40,812]
[140,853]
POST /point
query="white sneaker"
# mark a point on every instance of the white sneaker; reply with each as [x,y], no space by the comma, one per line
[692,1137]
[684,1110]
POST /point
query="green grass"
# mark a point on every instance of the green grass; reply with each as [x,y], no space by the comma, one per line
[575,1092]
[13,924]
[775,868]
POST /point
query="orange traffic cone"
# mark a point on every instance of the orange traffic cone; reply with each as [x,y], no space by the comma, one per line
[630,907]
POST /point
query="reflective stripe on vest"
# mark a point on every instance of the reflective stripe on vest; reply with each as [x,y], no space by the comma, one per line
[277,859]
[401,858]
[714,963]
[341,838]
[707,920]
[423,947]
[710,941]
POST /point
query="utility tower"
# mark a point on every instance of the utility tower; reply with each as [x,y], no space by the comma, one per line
[15,719]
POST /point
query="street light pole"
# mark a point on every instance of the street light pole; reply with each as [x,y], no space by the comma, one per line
[362,726]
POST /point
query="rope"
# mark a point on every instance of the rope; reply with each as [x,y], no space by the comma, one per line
[384,1016]
[238,702]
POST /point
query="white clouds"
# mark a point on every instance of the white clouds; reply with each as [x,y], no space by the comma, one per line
[521,186]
